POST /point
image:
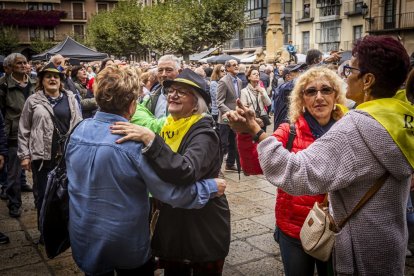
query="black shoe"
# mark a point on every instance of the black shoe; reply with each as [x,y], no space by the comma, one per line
[3,194]
[26,188]
[232,168]
[14,212]
[4,239]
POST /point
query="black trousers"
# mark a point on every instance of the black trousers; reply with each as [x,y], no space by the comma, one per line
[14,170]
[228,144]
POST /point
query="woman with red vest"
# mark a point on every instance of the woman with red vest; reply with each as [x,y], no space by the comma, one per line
[314,108]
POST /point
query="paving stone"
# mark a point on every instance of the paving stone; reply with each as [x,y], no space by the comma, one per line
[267,220]
[255,195]
[266,267]
[64,266]
[250,209]
[260,184]
[235,176]
[247,228]
[17,239]
[39,269]
[271,190]
[19,256]
[29,219]
[266,243]
[236,216]
[230,271]
[234,187]
[269,203]
[9,224]
[242,252]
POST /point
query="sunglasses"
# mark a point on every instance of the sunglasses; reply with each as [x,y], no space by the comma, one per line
[312,91]
[180,92]
[222,70]
[347,70]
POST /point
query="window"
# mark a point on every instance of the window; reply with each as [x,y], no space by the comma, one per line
[329,35]
[34,34]
[255,9]
[389,14]
[253,36]
[358,6]
[102,7]
[287,30]
[47,6]
[77,9]
[33,6]
[305,42]
[357,32]
[49,34]
[287,7]
[306,10]
[79,30]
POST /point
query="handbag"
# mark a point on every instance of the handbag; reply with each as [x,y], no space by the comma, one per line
[265,118]
[54,214]
[318,230]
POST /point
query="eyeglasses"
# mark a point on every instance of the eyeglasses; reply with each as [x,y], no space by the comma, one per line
[180,92]
[222,70]
[348,69]
[312,91]
[49,76]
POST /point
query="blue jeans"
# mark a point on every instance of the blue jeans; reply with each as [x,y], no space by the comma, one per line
[297,262]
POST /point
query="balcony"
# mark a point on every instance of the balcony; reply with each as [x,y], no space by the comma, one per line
[354,8]
[75,16]
[30,18]
[304,16]
[397,22]
[330,12]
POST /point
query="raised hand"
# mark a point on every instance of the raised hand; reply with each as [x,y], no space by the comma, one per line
[243,119]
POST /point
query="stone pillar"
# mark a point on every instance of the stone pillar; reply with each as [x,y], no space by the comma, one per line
[274,32]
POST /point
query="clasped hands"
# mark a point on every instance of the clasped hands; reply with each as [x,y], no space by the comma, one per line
[242,119]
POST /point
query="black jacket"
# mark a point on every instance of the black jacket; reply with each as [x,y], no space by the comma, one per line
[199,235]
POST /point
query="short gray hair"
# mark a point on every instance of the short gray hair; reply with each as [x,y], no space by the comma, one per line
[171,58]
[55,57]
[201,104]
[10,59]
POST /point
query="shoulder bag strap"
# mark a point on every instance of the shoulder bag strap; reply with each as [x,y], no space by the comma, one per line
[292,135]
[370,193]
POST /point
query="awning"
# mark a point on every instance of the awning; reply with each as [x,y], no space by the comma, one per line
[203,54]
[249,59]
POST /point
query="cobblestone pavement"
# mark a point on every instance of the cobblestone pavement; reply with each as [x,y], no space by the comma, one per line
[252,250]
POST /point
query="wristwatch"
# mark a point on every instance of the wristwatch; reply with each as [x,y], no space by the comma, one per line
[257,136]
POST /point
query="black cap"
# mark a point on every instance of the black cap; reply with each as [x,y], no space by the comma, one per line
[187,76]
[292,68]
[50,67]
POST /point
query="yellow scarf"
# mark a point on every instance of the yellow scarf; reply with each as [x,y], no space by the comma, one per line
[396,115]
[173,132]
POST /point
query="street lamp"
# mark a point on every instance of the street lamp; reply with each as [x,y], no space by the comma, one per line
[364,10]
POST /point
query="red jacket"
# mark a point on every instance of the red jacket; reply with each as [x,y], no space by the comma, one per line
[290,211]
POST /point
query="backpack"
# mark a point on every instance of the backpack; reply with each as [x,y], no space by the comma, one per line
[54,214]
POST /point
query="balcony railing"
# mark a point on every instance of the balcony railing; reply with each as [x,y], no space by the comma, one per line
[304,16]
[30,18]
[400,21]
[75,16]
[353,8]
[333,10]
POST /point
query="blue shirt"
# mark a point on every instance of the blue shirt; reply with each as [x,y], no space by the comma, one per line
[108,191]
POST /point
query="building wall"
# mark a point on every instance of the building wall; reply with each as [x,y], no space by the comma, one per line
[68,25]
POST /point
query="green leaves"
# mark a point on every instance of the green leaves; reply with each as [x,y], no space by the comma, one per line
[180,27]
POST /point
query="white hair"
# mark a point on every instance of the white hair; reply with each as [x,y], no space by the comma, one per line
[171,58]
[10,59]
[201,104]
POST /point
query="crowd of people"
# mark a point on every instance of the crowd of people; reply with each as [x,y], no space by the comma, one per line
[151,143]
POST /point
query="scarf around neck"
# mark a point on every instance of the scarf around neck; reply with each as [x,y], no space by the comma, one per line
[173,131]
[396,115]
[316,129]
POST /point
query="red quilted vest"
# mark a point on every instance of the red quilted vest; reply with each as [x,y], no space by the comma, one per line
[290,211]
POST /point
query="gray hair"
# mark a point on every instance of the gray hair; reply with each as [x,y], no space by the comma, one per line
[10,59]
[228,63]
[55,57]
[201,104]
[171,58]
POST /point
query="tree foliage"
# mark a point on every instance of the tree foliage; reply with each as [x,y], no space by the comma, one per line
[175,26]
[118,31]
[40,46]
[8,40]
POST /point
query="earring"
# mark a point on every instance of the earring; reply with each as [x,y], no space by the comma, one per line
[303,109]
[334,108]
